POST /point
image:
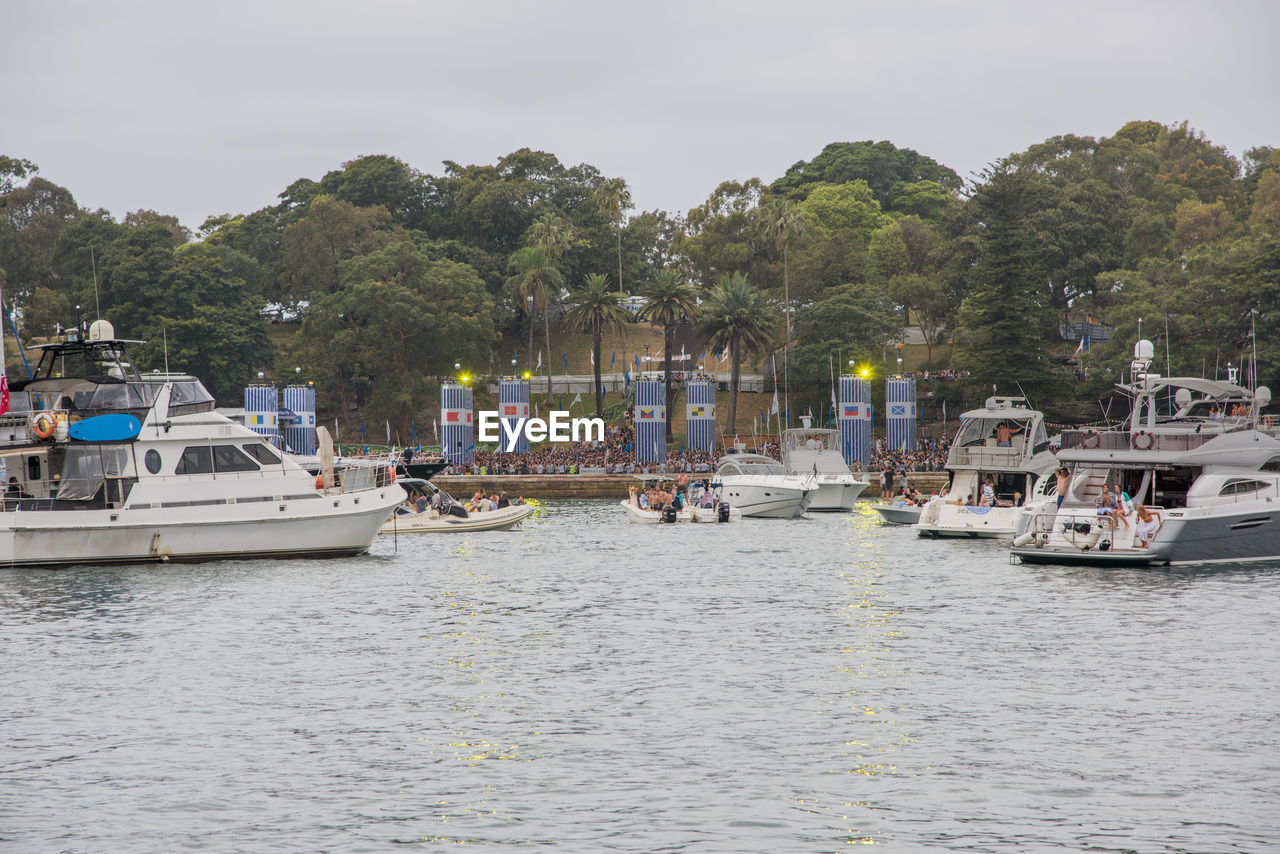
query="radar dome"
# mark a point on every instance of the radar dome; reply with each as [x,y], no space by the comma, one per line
[1182,397]
[101,330]
[1144,349]
[1262,395]
[990,403]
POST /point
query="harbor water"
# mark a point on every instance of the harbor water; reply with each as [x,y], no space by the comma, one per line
[589,684]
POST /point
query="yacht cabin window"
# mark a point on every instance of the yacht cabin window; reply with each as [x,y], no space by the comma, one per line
[262,453]
[87,466]
[229,458]
[196,459]
[1242,486]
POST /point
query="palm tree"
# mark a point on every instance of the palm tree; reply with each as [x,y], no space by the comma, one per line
[613,200]
[736,316]
[534,282]
[552,236]
[666,300]
[595,307]
[783,220]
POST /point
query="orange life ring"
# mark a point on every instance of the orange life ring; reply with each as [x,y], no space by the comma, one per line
[1142,442]
[43,425]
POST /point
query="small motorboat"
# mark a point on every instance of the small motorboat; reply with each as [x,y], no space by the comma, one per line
[901,512]
[444,514]
[646,516]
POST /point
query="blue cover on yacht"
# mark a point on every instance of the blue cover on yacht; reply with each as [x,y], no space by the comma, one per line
[116,427]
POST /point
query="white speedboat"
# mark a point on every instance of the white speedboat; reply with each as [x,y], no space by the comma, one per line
[706,504]
[443,514]
[812,451]
[900,512]
[106,465]
[761,487]
[1016,468]
[1205,471]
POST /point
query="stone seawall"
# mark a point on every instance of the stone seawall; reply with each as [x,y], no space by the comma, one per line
[606,485]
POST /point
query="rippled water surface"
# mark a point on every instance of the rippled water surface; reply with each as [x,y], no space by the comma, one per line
[594,685]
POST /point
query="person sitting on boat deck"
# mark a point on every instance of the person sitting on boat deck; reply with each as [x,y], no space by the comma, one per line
[1004,435]
[420,504]
[708,499]
[1148,521]
[968,502]
[1063,475]
[1109,506]
[503,501]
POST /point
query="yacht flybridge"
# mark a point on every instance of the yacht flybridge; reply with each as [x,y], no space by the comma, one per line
[1196,469]
[103,464]
[997,463]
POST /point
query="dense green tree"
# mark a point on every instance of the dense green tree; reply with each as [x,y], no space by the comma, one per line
[331,232]
[398,320]
[889,171]
[720,234]
[30,219]
[668,300]
[1007,315]
[593,308]
[737,319]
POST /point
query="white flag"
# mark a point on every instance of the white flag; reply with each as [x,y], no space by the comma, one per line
[539,358]
[435,429]
[577,398]
[388,431]
[593,356]
[774,409]
[834,408]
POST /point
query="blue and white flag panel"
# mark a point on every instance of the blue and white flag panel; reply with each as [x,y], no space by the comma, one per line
[301,434]
[900,413]
[700,414]
[262,409]
[457,437]
[855,419]
[513,403]
[651,422]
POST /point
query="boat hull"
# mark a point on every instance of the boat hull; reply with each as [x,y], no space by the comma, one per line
[939,519]
[898,515]
[836,496]
[63,538]
[502,519]
[652,517]
[1196,536]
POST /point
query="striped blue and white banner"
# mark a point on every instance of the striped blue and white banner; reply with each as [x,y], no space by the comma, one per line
[900,413]
[300,436]
[262,409]
[855,419]
[700,414]
[651,422]
[513,403]
[457,436]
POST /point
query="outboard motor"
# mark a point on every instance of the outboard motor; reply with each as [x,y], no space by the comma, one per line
[722,512]
[669,513]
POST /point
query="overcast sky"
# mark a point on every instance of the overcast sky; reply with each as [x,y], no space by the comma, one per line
[195,109]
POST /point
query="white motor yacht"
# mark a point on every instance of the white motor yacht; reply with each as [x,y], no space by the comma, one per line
[1016,467]
[106,465]
[762,487]
[813,451]
[1195,457]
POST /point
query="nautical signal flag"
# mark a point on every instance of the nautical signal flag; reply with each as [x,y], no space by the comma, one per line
[697,412]
[452,417]
[510,409]
[852,410]
[648,413]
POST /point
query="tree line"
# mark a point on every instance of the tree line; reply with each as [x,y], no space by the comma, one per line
[397,274]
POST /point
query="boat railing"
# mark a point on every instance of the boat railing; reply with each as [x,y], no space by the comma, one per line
[1116,440]
[985,456]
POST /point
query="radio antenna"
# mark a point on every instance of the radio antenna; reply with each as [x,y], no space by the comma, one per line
[97,304]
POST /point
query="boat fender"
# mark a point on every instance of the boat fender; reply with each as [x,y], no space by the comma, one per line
[722,512]
[391,470]
[669,513]
[43,425]
[1143,442]
[1024,539]
[320,481]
